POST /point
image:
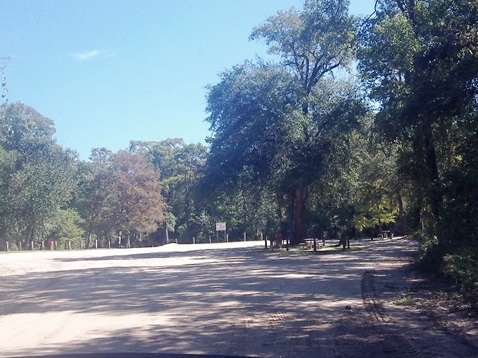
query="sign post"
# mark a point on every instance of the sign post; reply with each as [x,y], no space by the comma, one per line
[220,226]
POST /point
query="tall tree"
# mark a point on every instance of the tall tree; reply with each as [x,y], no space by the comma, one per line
[120,196]
[137,203]
[262,138]
[94,194]
[312,44]
[32,198]
[180,165]
[420,61]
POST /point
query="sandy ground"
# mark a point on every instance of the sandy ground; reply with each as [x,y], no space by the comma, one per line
[226,300]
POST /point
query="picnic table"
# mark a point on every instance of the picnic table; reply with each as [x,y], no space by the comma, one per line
[309,244]
[386,234]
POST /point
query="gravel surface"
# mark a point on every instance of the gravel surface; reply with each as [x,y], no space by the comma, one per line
[234,299]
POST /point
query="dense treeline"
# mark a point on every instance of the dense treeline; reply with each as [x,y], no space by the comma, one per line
[419,61]
[134,197]
[394,143]
[368,123]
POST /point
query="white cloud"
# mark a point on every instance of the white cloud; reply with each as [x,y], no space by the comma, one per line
[87,55]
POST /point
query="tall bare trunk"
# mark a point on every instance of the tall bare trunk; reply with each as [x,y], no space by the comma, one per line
[166,232]
[298,215]
[88,240]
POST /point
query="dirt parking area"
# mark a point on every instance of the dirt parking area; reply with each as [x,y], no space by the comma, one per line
[226,300]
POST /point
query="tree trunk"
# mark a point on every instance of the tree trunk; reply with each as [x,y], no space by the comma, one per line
[434,185]
[401,216]
[88,240]
[298,215]
[427,178]
[166,232]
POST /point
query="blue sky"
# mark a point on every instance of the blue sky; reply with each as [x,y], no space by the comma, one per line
[111,71]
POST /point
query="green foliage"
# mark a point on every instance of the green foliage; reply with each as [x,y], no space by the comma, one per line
[293,146]
[312,42]
[373,217]
[405,299]
[94,195]
[464,269]
[430,256]
[65,227]
[24,129]
[268,143]
[179,165]
[248,116]
[420,64]
[29,159]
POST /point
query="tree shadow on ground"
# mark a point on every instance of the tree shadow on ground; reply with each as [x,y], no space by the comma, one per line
[236,302]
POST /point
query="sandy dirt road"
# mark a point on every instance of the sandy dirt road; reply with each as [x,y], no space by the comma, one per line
[219,299]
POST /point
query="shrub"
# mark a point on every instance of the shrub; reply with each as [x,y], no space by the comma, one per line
[430,255]
[464,269]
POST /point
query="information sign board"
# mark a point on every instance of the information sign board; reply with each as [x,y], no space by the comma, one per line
[220,226]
